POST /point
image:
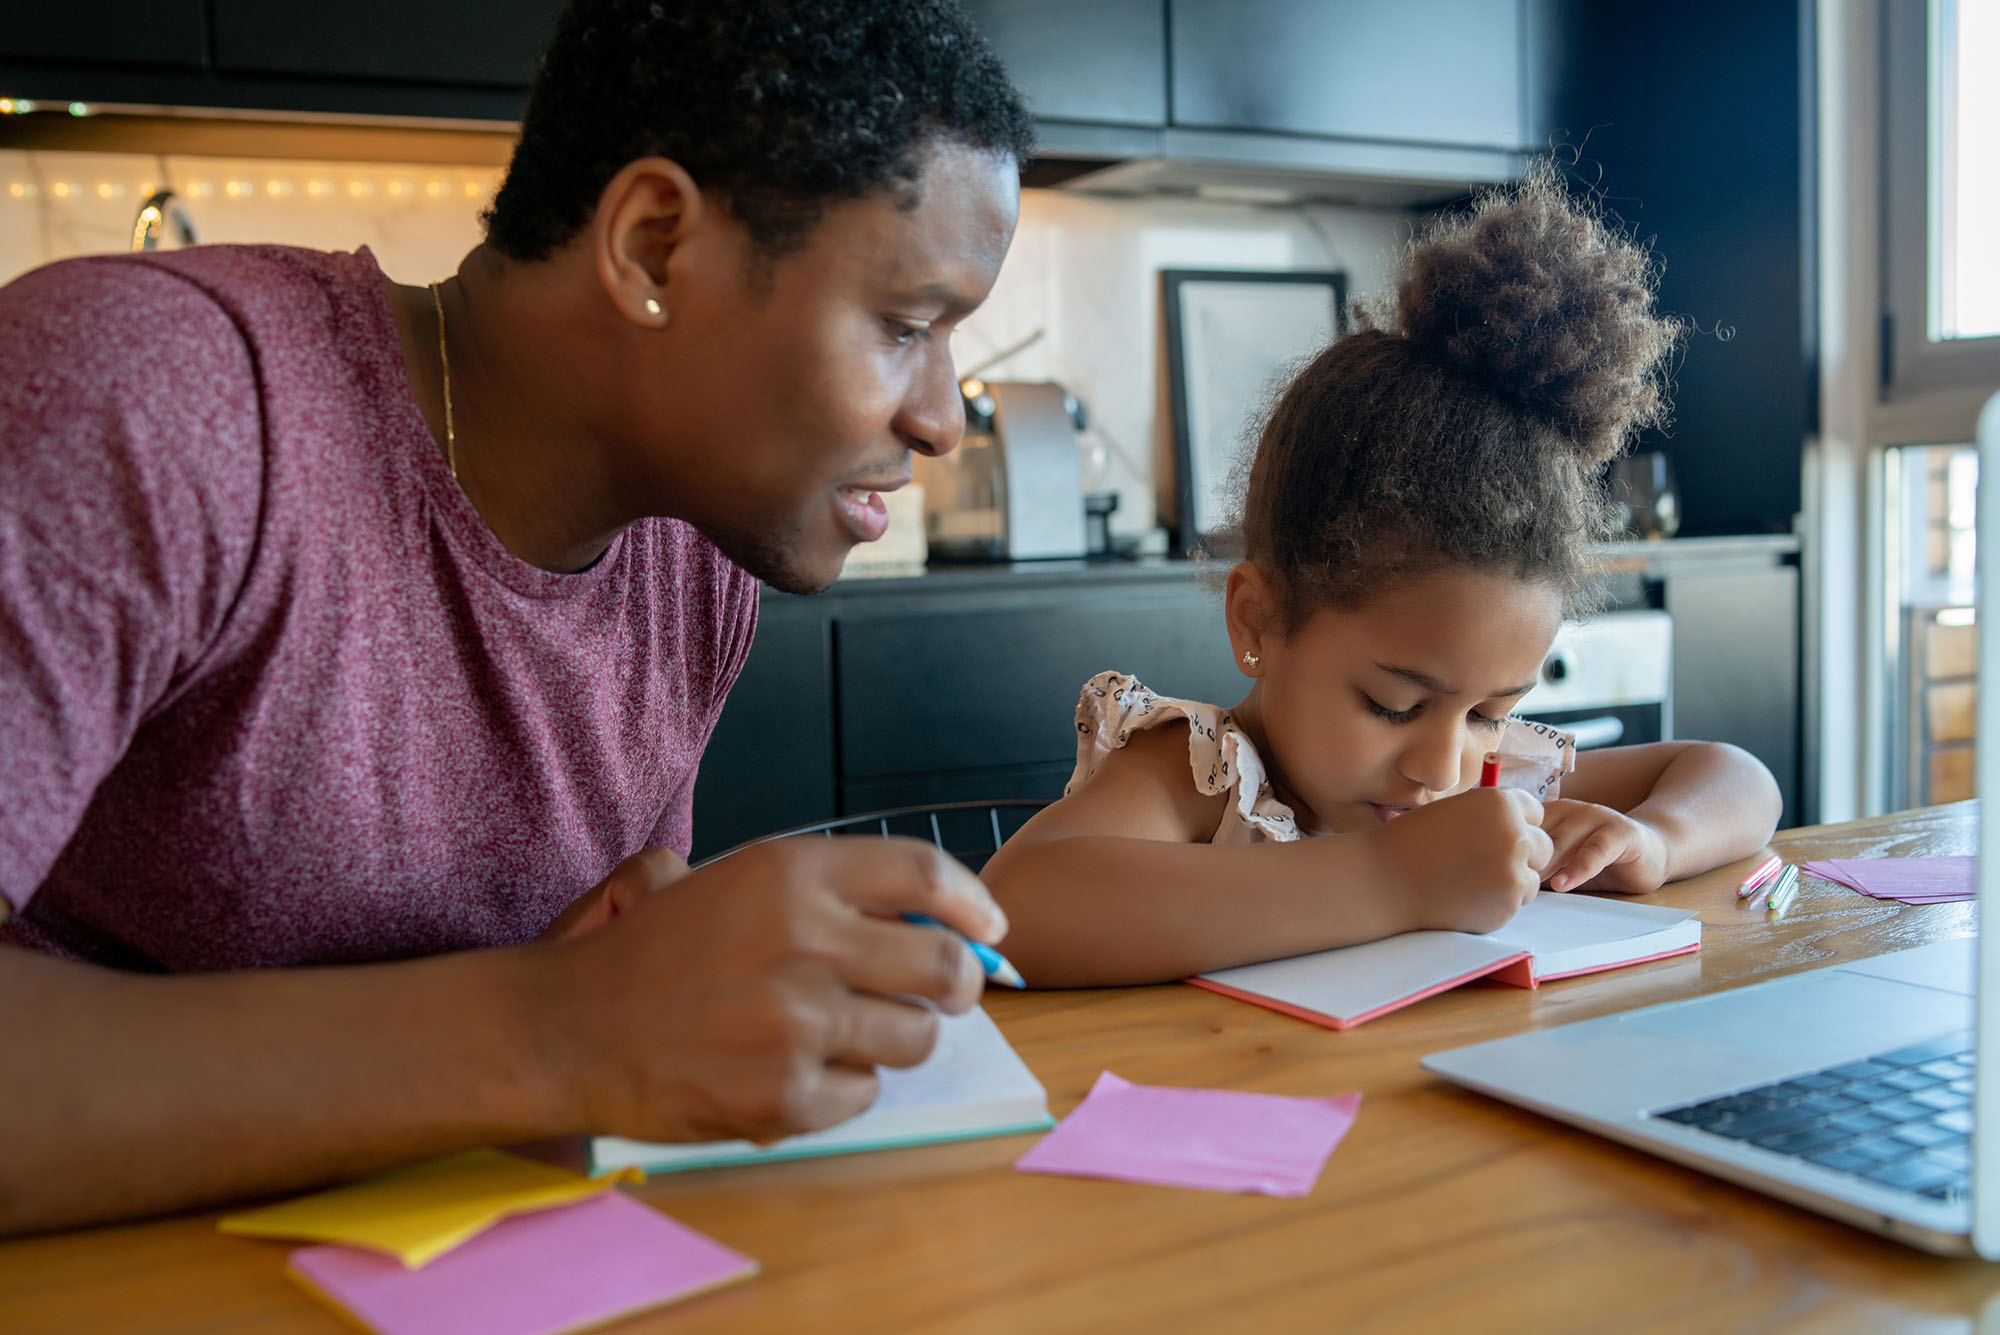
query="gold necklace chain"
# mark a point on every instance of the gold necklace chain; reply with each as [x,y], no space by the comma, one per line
[444,366]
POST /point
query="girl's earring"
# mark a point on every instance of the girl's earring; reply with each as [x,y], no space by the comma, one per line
[1250,660]
[654,309]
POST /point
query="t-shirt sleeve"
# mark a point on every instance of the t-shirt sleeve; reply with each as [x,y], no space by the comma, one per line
[130,478]
[734,621]
[739,629]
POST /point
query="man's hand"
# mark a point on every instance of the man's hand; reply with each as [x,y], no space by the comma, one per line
[1602,849]
[1465,863]
[754,997]
[750,998]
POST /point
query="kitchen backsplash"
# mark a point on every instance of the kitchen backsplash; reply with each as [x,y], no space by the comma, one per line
[1082,272]
[417,219]
[1084,269]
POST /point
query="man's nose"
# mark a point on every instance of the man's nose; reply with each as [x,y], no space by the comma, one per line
[932,418]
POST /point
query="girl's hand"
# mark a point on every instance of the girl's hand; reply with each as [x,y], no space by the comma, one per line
[1465,863]
[1599,848]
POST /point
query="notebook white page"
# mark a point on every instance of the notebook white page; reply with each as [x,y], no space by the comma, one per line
[1574,933]
[972,1084]
[1563,933]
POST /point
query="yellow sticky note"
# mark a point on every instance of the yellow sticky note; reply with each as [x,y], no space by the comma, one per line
[419,1213]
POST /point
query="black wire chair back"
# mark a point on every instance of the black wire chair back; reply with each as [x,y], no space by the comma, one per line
[972,832]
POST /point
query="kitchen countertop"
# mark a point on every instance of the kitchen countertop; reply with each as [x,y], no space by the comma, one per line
[1654,559]
[1705,554]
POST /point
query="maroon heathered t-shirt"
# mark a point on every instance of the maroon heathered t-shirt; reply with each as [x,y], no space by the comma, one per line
[271,693]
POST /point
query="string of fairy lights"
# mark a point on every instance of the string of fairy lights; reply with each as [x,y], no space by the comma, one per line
[329,186]
[21,106]
[325,182]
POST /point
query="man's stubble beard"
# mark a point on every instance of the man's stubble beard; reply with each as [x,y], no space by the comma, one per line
[768,557]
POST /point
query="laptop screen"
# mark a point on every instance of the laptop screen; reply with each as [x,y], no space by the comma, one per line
[1986,1089]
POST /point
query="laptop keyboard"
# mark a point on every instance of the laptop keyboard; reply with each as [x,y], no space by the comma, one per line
[1902,1119]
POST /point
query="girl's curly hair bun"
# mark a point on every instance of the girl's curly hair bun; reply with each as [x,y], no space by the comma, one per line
[1532,294]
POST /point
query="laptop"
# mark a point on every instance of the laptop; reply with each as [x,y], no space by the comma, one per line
[1852,1089]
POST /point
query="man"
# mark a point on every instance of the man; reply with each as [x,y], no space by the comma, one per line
[379,629]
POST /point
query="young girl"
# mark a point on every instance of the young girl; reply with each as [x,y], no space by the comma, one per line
[1418,521]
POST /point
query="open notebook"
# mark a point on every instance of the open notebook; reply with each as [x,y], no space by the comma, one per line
[973,1084]
[1555,936]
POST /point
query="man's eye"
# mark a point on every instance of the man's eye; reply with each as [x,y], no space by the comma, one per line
[1380,710]
[906,333]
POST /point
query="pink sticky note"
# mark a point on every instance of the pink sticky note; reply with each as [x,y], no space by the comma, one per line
[1834,869]
[1913,880]
[564,1269]
[1215,1139]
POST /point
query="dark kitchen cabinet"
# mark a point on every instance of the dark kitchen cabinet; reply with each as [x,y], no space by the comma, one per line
[492,44]
[959,685]
[773,748]
[1430,94]
[1105,61]
[1438,92]
[1442,72]
[166,33]
[446,59]
[1695,127]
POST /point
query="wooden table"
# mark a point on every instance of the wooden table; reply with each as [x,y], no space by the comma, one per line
[1442,1210]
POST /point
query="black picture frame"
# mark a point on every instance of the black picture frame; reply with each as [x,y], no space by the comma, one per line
[1212,398]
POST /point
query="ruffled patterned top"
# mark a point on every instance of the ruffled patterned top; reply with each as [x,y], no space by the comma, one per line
[1223,759]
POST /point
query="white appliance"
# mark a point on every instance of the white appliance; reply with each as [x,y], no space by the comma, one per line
[1608,680]
[1799,1087]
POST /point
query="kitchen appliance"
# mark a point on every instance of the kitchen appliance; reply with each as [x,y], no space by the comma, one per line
[1642,485]
[163,223]
[1013,489]
[1608,680]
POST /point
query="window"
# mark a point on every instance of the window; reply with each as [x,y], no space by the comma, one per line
[1941,269]
[1932,628]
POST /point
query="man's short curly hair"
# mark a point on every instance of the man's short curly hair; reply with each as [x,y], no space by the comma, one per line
[781,106]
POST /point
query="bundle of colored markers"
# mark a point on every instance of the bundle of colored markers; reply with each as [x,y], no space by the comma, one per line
[1777,879]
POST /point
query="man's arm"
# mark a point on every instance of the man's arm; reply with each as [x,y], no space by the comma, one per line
[135,1094]
[752,998]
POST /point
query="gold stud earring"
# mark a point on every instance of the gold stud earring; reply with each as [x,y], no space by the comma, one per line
[1250,660]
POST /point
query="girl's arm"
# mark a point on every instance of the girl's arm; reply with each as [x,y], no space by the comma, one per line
[1634,817]
[1117,883]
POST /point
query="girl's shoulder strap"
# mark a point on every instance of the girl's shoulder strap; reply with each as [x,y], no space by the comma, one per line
[1546,751]
[1115,706]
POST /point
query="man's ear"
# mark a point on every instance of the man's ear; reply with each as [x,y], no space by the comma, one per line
[645,214]
[1250,607]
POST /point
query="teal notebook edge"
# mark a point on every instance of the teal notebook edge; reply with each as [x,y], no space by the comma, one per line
[779,1154]
[972,1085]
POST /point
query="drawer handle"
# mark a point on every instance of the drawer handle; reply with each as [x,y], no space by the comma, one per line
[1591,733]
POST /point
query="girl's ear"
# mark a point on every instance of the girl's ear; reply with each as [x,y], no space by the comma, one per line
[1250,608]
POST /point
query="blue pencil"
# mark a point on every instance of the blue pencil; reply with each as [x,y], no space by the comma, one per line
[998,970]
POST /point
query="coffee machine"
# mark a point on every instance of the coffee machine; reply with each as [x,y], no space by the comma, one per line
[1013,489]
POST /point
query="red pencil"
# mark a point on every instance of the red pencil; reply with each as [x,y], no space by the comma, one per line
[1489,772]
